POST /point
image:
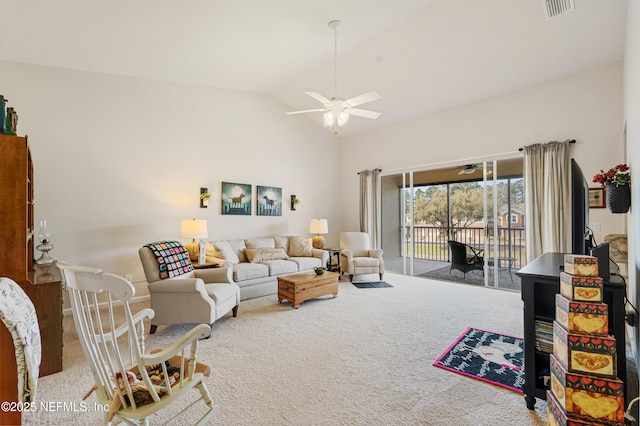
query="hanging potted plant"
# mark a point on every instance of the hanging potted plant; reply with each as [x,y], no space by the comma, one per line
[617,182]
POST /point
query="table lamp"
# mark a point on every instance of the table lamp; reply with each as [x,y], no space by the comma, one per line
[318,226]
[193,228]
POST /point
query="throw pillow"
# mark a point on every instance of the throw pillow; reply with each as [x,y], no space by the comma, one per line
[299,246]
[224,251]
[265,253]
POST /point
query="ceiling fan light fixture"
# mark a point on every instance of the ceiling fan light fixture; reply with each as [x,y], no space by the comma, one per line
[337,110]
[329,118]
[343,117]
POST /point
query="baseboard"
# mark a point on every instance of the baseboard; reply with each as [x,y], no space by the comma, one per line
[139,299]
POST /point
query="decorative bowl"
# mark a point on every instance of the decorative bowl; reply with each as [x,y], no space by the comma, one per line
[319,270]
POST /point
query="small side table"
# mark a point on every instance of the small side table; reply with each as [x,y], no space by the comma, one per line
[197,265]
[333,265]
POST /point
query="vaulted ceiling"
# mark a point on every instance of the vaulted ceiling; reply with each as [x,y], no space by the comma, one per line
[420,55]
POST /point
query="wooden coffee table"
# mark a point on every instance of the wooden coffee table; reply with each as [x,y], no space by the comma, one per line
[297,288]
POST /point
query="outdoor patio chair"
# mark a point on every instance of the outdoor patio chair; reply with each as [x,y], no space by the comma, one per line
[465,258]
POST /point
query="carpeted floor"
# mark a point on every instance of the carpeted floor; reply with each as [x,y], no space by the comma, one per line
[363,358]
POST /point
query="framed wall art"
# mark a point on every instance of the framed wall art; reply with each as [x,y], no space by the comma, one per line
[269,201]
[597,198]
[235,198]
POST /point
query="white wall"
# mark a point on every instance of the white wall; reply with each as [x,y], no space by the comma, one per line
[120,161]
[632,116]
[586,107]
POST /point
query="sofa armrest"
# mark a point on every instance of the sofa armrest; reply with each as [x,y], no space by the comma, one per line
[179,285]
[215,275]
[223,263]
[323,255]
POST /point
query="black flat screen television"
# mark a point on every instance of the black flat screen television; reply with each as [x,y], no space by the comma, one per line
[581,237]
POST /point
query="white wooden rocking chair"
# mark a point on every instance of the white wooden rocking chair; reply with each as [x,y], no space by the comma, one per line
[117,352]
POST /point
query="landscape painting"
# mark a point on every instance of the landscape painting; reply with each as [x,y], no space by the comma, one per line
[269,201]
[235,198]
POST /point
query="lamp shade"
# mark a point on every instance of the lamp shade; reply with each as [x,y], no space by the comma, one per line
[194,228]
[318,226]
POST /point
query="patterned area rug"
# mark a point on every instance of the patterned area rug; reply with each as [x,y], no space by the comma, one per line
[373,284]
[483,355]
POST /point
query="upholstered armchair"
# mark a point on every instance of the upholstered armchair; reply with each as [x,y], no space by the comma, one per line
[357,257]
[179,294]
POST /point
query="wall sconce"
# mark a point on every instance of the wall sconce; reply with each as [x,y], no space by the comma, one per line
[204,198]
[294,202]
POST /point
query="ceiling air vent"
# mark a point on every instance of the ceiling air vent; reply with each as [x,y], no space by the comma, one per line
[555,8]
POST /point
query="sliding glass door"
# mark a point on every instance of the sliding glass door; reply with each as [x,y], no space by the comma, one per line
[473,204]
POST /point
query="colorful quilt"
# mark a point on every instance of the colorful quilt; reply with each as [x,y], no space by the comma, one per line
[173,258]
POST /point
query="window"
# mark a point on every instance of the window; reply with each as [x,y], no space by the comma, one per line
[514,218]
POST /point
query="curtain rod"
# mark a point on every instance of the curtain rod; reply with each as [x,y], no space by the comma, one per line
[571,141]
[376,170]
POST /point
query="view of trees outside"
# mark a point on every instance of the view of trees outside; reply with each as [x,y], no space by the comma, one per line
[456,211]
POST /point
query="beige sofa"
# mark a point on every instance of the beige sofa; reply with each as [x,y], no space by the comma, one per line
[257,262]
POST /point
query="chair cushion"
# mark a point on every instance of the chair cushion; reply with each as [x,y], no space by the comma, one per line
[224,251]
[279,267]
[247,271]
[299,246]
[258,255]
[221,292]
[306,263]
[365,261]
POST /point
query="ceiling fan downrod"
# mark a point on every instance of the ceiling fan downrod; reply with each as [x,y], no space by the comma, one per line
[334,26]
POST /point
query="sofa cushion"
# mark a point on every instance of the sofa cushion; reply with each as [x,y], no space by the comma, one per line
[299,246]
[238,247]
[258,255]
[247,271]
[224,251]
[306,263]
[279,267]
[282,242]
[255,243]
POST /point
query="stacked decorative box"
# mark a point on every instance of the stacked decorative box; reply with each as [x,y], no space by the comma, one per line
[585,389]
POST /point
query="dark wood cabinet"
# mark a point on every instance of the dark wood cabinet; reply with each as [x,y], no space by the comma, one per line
[43,284]
[540,284]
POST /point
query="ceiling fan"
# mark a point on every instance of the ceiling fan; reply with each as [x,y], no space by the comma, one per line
[469,169]
[466,169]
[337,110]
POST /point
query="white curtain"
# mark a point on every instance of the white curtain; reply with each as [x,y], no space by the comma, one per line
[547,198]
[370,205]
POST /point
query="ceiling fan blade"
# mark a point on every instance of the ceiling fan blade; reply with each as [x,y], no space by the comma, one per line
[318,97]
[304,111]
[367,97]
[363,113]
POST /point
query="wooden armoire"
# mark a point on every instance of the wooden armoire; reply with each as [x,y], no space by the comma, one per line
[42,285]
